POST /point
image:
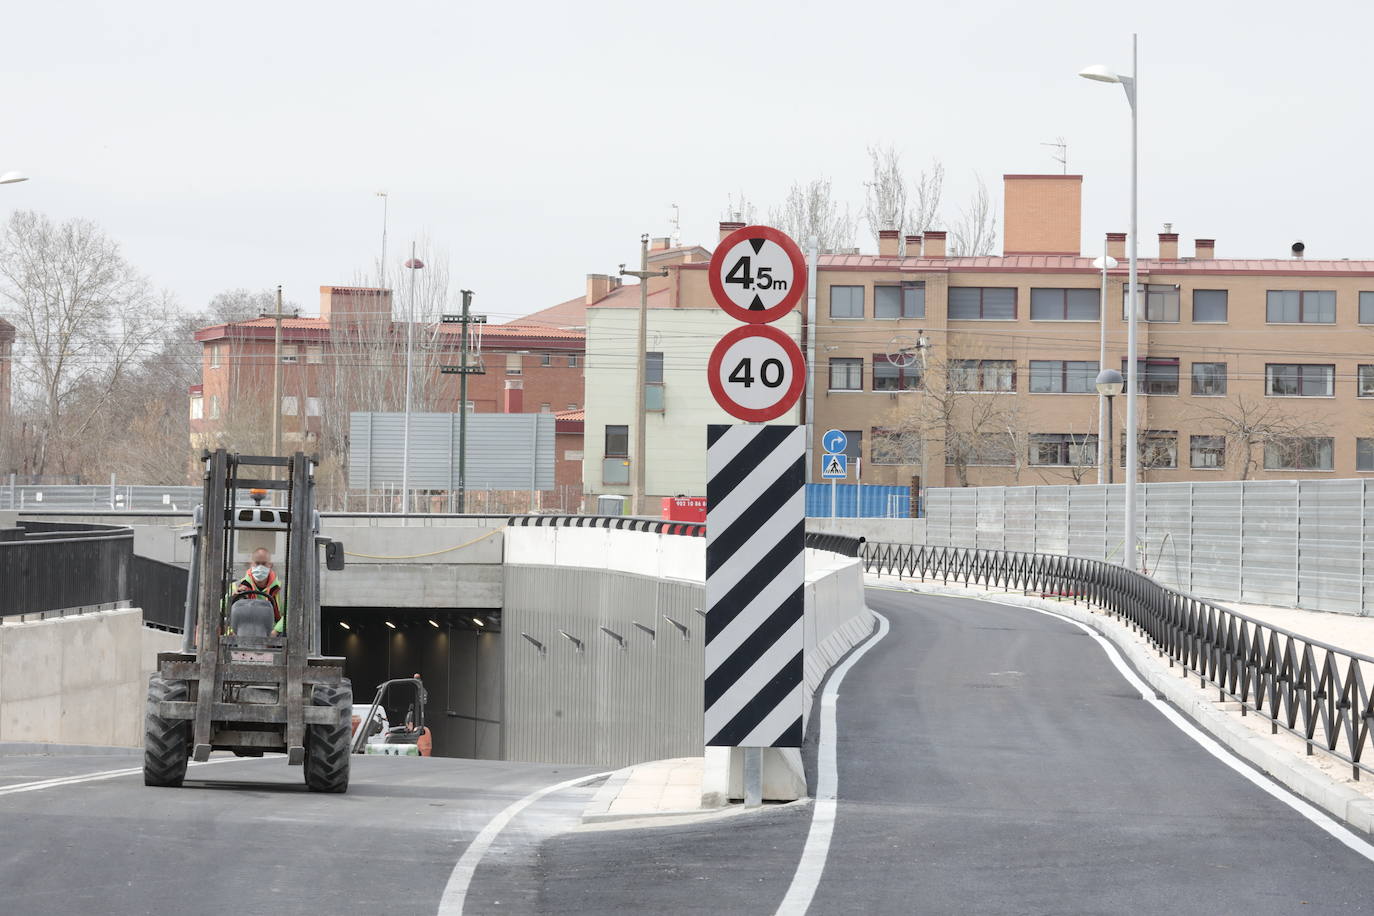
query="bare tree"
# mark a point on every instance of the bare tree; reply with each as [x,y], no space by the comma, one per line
[1249,428]
[811,210]
[84,316]
[885,192]
[926,196]
[739,209]
[975,232]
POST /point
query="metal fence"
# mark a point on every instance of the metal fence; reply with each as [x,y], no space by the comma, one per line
[160,589]
[850,500]
[1313,690]
[92,497]
[1294,543]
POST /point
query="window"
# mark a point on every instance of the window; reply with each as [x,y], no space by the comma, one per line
[1063,450]
[905,301]
[895,447]
[514,364]
[314,354]
[854,444]
[889,376]
[312,407]
[982,375]
[1155,375]
[1305,454]
[617,442]
[1364,454]
[846,374]
[1366,308]
[1209,305]
[1291,306]
[1158,448]
[1207,452]
[197,408]
[1209,379]
[546,359]
[653,368]
[1063,376]
[290,353]
[288,405]
[1364,383]
[982,303]
[846,302]
[1158,301]
[1298,380]
[572,361]
[981,450]
[1064,304]
[214,356]
[214,407]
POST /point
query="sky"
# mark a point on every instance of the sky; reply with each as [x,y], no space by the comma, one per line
[532,144]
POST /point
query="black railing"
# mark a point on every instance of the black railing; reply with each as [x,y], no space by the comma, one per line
[160,589]
[1310,689]
[842,544]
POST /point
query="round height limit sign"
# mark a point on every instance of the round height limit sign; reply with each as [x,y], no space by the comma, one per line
[757,274]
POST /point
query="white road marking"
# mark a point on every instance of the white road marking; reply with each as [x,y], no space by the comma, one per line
[1210,744]
[808,875]
[460,879]
[89,777]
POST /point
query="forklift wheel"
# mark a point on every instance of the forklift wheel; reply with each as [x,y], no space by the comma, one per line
[166,742]
[327,747]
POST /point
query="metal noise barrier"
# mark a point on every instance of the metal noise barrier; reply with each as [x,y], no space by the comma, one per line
[1315,691]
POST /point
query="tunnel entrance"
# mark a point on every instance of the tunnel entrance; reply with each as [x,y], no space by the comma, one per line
[456,652]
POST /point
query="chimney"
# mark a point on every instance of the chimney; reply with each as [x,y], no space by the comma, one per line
[888,241]
[515,396]
[1206,249]
[728,227]
[1168,246]
[661,244]
[1116,245]
[1041,214]
[913,246]
[598,287]
[935,243]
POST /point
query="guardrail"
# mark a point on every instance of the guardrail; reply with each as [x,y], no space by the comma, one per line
[620,522]
[1310,689]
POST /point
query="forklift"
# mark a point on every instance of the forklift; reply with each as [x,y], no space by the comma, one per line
[236,685]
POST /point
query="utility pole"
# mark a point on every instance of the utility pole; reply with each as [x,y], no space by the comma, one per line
[277,317]
[413,265]
[381,269]
[637,459]
[463,370]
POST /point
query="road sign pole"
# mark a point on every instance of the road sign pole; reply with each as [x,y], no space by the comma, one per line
[832,497]
[753,776]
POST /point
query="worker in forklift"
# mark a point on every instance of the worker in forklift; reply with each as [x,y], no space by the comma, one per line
[261,581]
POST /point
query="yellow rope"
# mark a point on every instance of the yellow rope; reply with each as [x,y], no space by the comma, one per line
[435,553]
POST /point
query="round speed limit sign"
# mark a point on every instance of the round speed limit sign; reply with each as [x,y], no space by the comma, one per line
[756,372]
[757,274]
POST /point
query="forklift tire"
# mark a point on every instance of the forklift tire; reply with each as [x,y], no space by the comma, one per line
[166,742]
[327,747]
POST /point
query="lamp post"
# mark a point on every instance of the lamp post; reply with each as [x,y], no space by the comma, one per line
[414,264]
[1109,384]
[1104,263]
[1128,83]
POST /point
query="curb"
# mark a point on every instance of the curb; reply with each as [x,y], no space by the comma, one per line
[1344,803]
[41,748]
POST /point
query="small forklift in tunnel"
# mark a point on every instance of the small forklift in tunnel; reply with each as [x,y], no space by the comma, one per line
[239,683]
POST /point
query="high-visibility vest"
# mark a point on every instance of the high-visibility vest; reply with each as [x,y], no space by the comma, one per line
[271,590]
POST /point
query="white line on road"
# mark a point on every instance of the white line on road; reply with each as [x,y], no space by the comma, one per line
[456,891]
[808,875]
[89,777]
[1210,744]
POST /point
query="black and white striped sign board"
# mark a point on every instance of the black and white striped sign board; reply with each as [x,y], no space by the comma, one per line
[755,574]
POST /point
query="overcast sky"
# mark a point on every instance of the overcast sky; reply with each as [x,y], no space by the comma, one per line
[241,145]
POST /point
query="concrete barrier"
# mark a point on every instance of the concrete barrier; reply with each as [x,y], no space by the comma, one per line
[78,680]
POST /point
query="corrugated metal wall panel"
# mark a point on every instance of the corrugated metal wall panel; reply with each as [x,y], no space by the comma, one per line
[990,517]
[1328,557]
[1052,519]
[504,451]
[1269,559]
[1163,524]
[1021,521]
[1088,522]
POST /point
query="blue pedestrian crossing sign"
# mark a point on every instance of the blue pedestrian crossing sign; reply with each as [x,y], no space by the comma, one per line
[834,440]
[835,467]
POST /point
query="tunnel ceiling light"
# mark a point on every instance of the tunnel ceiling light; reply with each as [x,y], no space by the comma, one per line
[390,624]
[344,624]
[433,623]
[479,621]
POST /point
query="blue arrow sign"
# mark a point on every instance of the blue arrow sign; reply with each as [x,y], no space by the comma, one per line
[835,466]
[834,440]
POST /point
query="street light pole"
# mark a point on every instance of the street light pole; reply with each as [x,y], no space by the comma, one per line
[1129,84]
[414,264]
[637,461]
[1105,262]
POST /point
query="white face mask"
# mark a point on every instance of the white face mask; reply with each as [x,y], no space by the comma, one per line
[260,573]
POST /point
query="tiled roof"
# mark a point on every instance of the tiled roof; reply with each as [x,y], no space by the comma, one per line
[580,414]
[523,331]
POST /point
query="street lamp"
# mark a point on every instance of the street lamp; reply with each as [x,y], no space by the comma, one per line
[1101,74]
[1109,384]
[414,264]
[1104,264]
[13,178]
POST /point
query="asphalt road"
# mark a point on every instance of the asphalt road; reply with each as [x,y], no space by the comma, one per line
[992,760]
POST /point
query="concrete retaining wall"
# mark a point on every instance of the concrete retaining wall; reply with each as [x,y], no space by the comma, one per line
[885,530]
[78,680]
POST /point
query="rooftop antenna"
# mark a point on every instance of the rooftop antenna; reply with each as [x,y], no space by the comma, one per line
[677,226]
[1061,155]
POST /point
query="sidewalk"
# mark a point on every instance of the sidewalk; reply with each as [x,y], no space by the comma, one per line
[658,788]
[1344,631]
